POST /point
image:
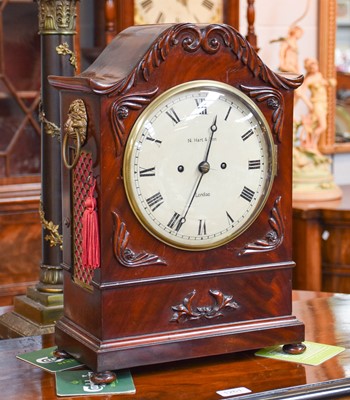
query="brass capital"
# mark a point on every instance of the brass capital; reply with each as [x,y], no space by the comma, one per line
[57,17]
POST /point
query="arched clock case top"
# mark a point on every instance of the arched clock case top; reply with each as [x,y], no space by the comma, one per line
[192,39]
[156,299]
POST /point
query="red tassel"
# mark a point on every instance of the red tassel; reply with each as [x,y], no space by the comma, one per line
[91,243]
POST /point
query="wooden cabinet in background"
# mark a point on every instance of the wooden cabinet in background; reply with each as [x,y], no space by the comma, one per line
[20,227]
[19,93]
[20,240]
[321,244]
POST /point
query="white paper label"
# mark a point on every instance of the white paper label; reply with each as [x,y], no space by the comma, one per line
[233,391]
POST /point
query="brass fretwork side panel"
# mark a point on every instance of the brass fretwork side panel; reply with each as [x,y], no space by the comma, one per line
[81,182]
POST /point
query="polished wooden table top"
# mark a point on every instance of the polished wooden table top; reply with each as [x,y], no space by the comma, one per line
[327,320]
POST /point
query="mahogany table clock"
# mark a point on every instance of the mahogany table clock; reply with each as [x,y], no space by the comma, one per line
[177,150]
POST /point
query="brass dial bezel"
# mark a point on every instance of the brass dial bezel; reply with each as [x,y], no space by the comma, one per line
[128,161]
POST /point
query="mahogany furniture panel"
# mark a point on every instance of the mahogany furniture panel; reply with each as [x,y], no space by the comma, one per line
[321,236]
[20,239]
[327,320]
[20,228]
[19,93]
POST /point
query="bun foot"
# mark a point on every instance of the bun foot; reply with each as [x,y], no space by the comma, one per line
[61,354]
[294,348]
[103,377]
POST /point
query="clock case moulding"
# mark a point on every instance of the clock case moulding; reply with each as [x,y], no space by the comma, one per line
[149,302]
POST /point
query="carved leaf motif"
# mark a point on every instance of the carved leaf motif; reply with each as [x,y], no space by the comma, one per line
[124,254]
[186,311]
[120,110]
[155,56]
[273,238]
[274,101]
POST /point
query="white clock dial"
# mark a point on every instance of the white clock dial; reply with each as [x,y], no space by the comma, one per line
[199,165]
[162,11]
[205,10]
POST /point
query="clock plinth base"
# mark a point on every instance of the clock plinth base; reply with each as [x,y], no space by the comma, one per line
[179,317]
[102,356]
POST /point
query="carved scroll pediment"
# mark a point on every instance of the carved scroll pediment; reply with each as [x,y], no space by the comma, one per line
[192,38]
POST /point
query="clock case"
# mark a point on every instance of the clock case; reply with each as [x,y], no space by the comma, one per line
[148,302]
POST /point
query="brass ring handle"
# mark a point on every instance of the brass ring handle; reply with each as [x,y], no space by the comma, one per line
[77,155]
[75,128]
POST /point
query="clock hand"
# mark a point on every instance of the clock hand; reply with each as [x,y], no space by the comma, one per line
[203,168]
[199,179]
[213,129]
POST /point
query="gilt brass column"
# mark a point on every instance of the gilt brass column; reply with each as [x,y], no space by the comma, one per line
[57,30]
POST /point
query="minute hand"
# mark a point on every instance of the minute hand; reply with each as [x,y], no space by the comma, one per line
[213,129]
[203,168]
